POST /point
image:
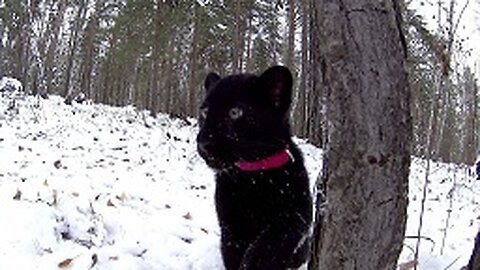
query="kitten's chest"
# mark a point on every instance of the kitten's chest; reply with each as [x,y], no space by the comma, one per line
[258,190]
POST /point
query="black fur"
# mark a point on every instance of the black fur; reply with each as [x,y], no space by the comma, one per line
[264,216]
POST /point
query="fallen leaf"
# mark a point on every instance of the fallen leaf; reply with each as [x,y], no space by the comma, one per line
[110,203]
[188,216]
[57,164]
[65,263]
[94,260]
[18,195]
[407,265]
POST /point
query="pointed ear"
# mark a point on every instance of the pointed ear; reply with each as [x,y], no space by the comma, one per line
[277,81]
[211,79]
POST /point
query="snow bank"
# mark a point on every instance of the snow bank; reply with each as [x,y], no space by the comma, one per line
[8,84]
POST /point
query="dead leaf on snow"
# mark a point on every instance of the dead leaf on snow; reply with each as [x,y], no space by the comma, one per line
[110,203]
[66,263]
[407,265]
[57,164]
[187,216]
[18,195]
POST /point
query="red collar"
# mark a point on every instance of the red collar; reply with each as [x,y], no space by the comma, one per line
[276,160]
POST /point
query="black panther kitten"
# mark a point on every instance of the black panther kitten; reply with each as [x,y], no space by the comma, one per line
[262,192]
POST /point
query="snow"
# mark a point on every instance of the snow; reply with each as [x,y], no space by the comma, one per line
[10,84]
[452,215]
[98,187]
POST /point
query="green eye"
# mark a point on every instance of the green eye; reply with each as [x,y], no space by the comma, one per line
[235,113]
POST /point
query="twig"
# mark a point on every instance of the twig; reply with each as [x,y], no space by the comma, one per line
[422,237]
[452,263]
[422,212]
[449,211]
[455,27]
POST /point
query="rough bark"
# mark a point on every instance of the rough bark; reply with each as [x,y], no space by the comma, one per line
[300,119]
[315,115]
[474,262]
[367,156]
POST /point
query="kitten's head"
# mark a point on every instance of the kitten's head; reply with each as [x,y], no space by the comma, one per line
[244,117]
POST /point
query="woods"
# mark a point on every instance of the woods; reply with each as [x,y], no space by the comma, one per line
[154,55]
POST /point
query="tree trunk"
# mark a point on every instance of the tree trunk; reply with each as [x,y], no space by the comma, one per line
[192,81]
[3,53]
[239,37]
[52,47]
[22,49]
[290,57]
[74,39]
[89,47]
[367,157]
[156,87]
[314,96]
[300,119]
[474,263]
[470,140]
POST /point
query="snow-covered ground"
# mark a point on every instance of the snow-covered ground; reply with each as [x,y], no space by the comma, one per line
[97,187]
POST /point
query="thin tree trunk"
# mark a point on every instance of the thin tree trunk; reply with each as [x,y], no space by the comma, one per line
[367,156]
[249,41]
[89,50]
[156,87]
[476,130]
[52,48]
[192,82]
[302,95]
[3,53]
[22,44]
[237,52]
[290,58]
[78,23]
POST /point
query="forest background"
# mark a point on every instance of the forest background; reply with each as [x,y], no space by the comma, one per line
[155,55]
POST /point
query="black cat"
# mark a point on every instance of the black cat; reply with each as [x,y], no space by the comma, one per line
[262,194]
